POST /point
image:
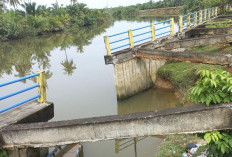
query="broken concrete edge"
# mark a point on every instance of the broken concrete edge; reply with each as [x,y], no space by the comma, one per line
[45,114]
[115,118]
[195,57]
[215,36]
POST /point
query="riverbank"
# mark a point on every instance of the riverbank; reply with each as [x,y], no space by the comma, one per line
[183,75]
[15,24]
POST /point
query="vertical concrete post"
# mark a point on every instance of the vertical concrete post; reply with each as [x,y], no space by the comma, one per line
[195,19]
[41,80]
[181,24]
[131,40]
[107,45]
[152,32]
[189,21]
[172,26]
[201,17]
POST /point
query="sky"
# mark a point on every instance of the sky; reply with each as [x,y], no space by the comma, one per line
[94,3]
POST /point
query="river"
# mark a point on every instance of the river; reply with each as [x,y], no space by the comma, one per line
[80,84]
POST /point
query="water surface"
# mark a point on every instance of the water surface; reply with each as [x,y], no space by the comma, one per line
[79,83]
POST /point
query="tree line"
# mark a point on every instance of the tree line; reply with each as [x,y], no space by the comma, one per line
[187,6]
[36,19]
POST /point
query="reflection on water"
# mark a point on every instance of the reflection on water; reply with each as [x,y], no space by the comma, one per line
[80,84]
[22,54]
[154,99]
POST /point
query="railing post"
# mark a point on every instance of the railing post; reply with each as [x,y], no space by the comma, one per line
[205,16]
[209,14]
[195,19]
[227,6]
[41,80]
[172,26]
[212,13]
[131,40]
[216,11]
[201,17]
[189,21]
[107,45]
[181,24]
[152,32]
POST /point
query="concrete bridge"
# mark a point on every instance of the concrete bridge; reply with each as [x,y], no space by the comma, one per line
[184,120]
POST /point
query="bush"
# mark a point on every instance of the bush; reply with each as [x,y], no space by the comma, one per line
[212,87]
[220,143]
[40,20]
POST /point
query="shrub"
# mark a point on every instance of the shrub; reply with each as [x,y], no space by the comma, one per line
[212,87]
[220,144]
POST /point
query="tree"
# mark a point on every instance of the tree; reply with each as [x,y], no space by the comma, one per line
[69,66]
[13,3]
[73,1]
[30,8]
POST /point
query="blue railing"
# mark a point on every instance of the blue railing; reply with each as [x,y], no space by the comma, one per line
[40,76]
[185,21]
[126,39]
[188,20]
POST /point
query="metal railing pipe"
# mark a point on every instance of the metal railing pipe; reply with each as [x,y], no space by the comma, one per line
[18,80]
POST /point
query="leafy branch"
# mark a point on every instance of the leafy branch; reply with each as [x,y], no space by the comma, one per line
[213,87]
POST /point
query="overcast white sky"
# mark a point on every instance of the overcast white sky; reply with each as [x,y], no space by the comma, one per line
[95,3]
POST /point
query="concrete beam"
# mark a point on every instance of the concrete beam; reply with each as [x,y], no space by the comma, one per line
[186,43]
[197,57]
[31,112]
[191,119]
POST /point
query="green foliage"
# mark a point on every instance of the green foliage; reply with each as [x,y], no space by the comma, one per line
[221,24]
[220,143]
[216,48]
[174,145]
[183,75]
[212,87]
[3,153]
[40,20]
[122,12]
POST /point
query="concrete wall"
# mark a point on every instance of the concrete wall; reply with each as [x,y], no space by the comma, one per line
[135,76]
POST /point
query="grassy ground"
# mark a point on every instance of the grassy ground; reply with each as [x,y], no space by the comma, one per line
[175,145]
[217,48]
[217,24]
[3,153]
[183,75]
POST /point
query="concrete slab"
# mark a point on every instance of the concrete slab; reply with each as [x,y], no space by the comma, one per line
[196,57]
[183,120]
[28,113]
